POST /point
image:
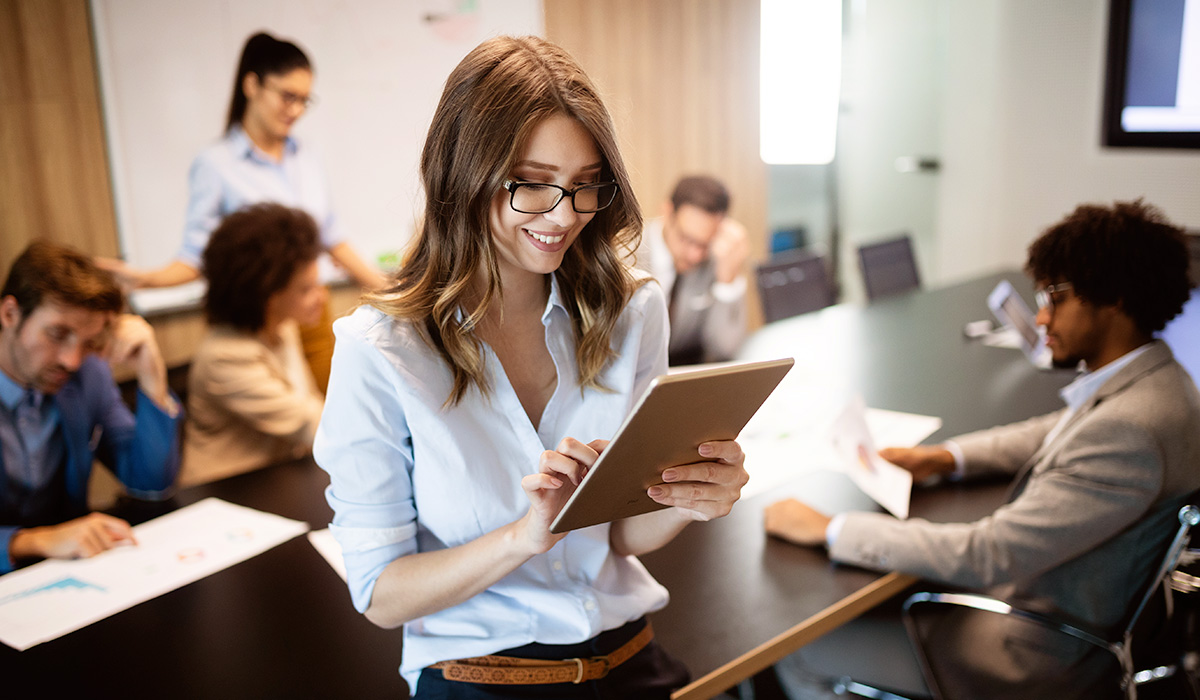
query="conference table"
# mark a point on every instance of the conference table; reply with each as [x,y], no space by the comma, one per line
[280,625]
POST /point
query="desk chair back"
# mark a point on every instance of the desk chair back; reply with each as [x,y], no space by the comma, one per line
[1058,659]
[793,283]
[889,267]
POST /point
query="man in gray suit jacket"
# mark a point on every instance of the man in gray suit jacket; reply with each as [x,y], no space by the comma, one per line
[1096,485]
[698,254]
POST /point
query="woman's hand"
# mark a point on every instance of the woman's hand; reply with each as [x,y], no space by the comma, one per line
[705,490]
[559,472]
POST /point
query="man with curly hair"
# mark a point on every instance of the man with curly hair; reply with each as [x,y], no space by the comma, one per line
[1096,485]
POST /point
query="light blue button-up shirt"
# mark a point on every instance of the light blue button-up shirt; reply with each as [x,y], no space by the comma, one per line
[409,474]
[32,450]
[234,173]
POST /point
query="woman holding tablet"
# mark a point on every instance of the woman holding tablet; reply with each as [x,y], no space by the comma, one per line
[462,396]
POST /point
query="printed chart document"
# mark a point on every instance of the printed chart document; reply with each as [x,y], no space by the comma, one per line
[889,485]
[51,598]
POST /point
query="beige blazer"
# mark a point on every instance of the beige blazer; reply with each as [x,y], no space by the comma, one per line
[249,405]
[1088,518]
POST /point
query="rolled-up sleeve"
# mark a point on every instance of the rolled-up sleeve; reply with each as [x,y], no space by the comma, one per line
[363,441]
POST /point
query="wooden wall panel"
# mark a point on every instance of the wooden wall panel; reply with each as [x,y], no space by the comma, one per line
[54,180]
[681,79]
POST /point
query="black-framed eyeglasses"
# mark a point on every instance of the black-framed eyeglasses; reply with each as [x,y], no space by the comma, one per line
[291,99]
[541,197]
[1045,296]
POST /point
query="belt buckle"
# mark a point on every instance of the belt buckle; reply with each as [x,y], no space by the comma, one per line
[582,665]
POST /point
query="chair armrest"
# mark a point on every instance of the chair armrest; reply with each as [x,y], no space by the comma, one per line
[985,603]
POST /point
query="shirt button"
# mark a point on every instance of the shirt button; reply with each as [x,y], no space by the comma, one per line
[589,605]
[558,566]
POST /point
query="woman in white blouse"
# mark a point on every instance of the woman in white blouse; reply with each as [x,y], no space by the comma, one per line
[251,398]
[469,398]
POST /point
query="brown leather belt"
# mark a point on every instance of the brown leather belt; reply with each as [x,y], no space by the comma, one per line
[509,670]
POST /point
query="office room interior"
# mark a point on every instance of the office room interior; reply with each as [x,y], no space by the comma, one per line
[1005,97]
[968,126]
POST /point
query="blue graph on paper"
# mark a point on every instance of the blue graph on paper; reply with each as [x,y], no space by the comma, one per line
[63,584]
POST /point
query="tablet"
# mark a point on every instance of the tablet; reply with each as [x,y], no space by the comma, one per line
[1008,306]
[676,413]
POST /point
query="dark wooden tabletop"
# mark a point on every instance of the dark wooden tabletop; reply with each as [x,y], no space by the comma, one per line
[281,625]
[740,600]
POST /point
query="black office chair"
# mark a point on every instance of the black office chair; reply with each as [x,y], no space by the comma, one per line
[888,267]
[793,283]
[927,614]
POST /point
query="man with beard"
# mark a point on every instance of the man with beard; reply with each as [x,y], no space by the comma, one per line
[1096,485]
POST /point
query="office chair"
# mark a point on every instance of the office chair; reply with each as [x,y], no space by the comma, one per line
[793,283]
[925,614]
[888,267]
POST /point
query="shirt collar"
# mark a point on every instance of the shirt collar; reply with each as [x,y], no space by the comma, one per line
[243,147]
[11,393]
[554,300]
[1085,386]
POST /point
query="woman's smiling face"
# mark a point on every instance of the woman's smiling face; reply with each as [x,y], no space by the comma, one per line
[559,151]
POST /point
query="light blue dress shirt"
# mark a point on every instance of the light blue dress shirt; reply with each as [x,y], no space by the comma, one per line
[32,449]
[233,173]
[410,474]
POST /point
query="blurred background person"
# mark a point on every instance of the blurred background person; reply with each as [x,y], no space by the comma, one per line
[698,254]
[60,409]
[251,399]
[258,160]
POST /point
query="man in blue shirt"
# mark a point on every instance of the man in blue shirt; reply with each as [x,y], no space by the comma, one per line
[60,408]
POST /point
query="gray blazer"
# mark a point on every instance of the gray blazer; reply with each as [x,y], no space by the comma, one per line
[1088,517]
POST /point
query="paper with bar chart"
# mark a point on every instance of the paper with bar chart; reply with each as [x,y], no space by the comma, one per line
[51,598]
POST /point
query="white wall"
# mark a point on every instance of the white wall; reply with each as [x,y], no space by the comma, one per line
[1024,83]
[167,72]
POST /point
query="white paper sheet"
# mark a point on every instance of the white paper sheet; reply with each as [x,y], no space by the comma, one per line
[790,434]
[889,485]
[329,549]
[51,598]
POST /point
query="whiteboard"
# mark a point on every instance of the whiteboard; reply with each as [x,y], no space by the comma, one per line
[166,76]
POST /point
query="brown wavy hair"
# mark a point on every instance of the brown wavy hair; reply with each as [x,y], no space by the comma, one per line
[491,104]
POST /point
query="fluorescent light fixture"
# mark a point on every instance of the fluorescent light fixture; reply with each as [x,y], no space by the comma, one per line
[800,74]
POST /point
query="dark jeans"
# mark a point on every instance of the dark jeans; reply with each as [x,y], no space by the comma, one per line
[651,673]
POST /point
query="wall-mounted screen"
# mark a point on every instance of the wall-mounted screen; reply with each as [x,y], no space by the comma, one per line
[1152,89]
